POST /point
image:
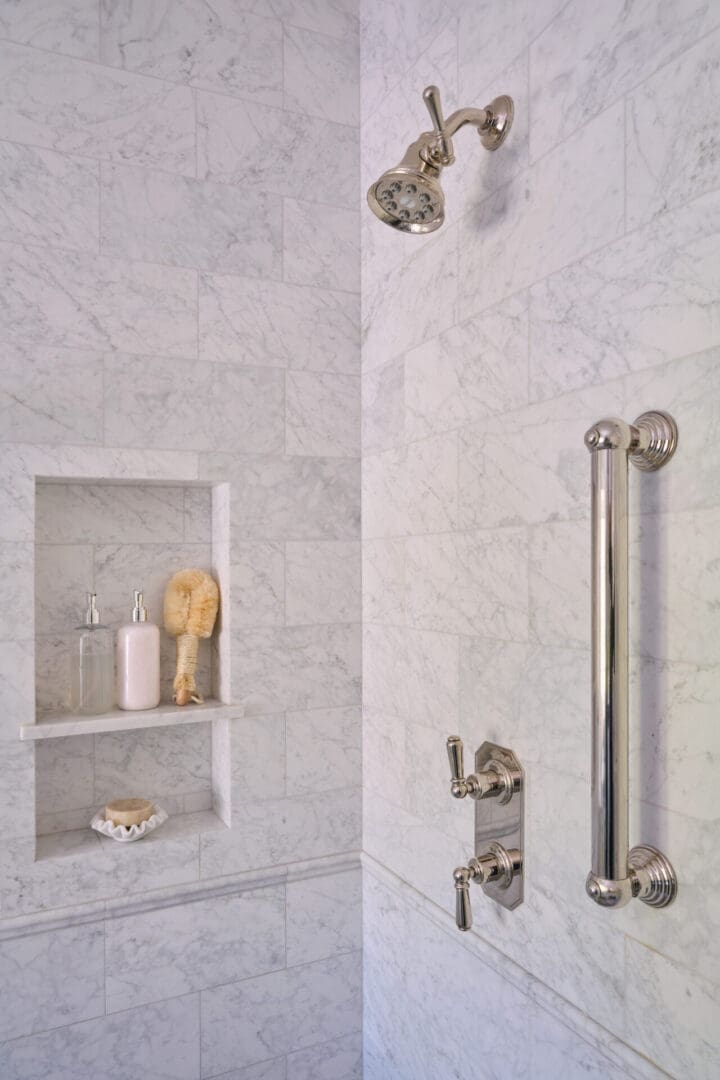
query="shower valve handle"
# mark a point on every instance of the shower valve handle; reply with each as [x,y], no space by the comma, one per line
[496,865]
[494,782]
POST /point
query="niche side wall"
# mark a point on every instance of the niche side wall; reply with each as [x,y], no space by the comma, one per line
[576,276]
[173,312]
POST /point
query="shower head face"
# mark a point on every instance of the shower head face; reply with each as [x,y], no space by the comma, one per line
[408,201]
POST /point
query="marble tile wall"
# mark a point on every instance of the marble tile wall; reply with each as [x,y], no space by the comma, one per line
[576,275]
[179,256]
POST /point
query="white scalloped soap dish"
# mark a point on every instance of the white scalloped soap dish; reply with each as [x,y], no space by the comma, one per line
[127,834]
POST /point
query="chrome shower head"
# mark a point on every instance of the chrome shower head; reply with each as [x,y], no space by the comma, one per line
[409,197]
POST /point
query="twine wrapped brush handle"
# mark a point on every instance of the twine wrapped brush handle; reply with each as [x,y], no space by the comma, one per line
[191,606]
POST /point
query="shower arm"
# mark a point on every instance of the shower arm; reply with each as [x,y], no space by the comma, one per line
[435,147]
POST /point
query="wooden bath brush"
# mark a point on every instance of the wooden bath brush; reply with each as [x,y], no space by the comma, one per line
[191,606]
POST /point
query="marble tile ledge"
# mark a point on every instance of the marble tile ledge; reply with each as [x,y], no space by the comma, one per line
[156,899]
[618,1052]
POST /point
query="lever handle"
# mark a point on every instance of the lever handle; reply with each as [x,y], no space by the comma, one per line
[463,910]
[455,757]
[431,97]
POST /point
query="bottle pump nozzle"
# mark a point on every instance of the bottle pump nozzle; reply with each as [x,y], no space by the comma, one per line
[139,610]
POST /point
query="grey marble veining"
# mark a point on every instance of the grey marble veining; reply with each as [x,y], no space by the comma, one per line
[48,198]
[257,574]
[102,513]
[323,747]
[223,49]
[274,150]
[61,26]
[340,1059]
[82,301]
[64,104]
[383,406]
[285,1011]
[320,247]
[224,228]
[150,401]
[322,582]
[321,75]
[158,761]
[324,917]
[275,324]
[322,414]
[664,172]
[51,979]
[51,395]
[164,1046]
[177,950]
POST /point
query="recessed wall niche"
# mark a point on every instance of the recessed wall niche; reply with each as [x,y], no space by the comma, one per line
[110,537]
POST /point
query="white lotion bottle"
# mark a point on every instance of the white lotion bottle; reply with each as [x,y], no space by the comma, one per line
[138,660]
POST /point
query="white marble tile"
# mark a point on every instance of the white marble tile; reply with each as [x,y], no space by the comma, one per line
[324,917]
[214,49]
[647,298]
[336,18]
[103,513]
[409,672]
[674,740]
[224,228]
[257,758]
[257,584]
[321,246]
[320,75]
[273,150]
[16,591]
[150,401]
[469,583]
[266,1070]
[64,774]
[273,324]
[568,203]
[559,571]
[340,1059]
[573,80]
[291,498]
[489,38]
[383,746]
[558,1051]
[84,302]
[665,171]
[506,686]
[51,395]
[176,950]
[51,980]
[281,1012]
[473,370]
[429,270]
[121,567]
[16,674]
[322,414]
[51,676]
[60,26]
[411,489]
[383,406]
[323,749]
[64,576]
[322,582]
[672,1014]
[383,581]
[297,667]
[48,198]
[155,762]
[81,864]
[164,1046]
[17,788]
[197,515]
[59,103]
[674,582]
[276,831]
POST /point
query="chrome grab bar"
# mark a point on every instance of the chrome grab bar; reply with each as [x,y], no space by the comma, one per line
[617,874]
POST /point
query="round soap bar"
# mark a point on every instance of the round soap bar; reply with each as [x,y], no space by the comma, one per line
[128,812]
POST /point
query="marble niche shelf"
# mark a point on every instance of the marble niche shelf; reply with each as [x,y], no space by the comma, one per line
[59,725]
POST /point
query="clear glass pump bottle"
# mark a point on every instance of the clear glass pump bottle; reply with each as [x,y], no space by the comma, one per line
[92,665]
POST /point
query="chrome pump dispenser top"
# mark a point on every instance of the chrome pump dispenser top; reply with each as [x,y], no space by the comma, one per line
[92,615]
[139,610]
